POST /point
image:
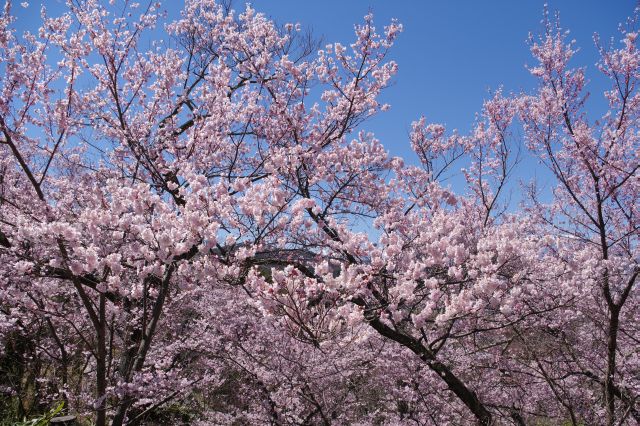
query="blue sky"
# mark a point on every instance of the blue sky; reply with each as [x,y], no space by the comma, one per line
[450,55]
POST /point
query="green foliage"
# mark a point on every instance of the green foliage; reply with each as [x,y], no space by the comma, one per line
[44,419]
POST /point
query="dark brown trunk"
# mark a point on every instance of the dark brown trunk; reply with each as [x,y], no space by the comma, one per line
[612,346]
[147,337]
[466,395]
[101,372]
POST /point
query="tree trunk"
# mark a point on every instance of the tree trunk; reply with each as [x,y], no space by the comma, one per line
[466,395]
[101,372]
[612,346]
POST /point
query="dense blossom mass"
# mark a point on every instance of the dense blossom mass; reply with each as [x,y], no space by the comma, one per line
[196,227]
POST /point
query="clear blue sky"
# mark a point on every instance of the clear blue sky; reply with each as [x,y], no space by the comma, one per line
[451,53]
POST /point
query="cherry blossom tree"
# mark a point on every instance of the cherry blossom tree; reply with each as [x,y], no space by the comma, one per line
[594,211]
[136,182]
[521,302]
[192,213]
